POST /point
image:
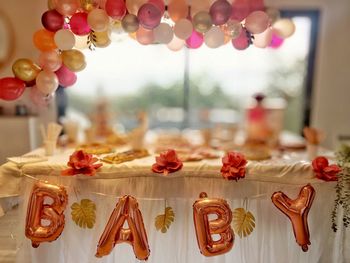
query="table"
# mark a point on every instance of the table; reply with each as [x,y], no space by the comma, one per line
[271,241]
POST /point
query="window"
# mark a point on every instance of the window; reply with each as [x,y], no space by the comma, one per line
[209,85]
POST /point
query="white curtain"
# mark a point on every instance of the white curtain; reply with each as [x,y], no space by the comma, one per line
[271,241]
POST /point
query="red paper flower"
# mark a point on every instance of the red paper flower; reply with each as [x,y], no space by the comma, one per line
[81,163]
[233,166]
[167,162]
[324,171]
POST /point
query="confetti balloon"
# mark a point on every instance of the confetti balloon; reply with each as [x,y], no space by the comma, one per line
[67,7]
[163,33]
[50,60]
[257,22]
[144,36]
[52,20]
[242,41]
[25,69]
[98,20]
[116,9]
[74,60]
[47,82]
[44,40]
[214,38]
[130,23]
[79,24]
[183,28]
[176,44]
[66,77]
[202,22]
[232,29]
[284,27]
[11,88]
[220,12]
[177,9]
[149,16]
[64,39]
[195,40]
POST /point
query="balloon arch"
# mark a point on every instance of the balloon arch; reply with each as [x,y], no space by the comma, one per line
[70,25]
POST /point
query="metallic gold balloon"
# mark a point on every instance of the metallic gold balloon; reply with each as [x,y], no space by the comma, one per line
[89,5]
[202,22]
[38,210]
[102,39]
[297,210]
[25,69]
[127,209]
[205,228]
[130,23]
[73,60]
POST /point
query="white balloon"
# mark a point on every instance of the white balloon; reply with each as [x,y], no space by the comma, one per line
[176,44]
[214,38]
[264,39]
[284,27]
[183,28]
[64,39]
[163,33]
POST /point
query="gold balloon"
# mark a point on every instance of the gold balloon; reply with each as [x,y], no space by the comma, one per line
[130,23]
[89,5]
[25,69]
[202,22]
[74,60]
[102,39]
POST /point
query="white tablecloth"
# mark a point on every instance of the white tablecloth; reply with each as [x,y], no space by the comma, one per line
[271,241]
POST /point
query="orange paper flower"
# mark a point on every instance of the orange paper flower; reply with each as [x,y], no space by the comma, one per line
[167,162]
[233,166]
[323,170]
[81,162]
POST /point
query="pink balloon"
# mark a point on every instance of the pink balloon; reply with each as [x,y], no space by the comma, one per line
[66,77]
[79,25]
[144,36]
[195,40]
[38,98]
[242,41]
[50,60]
[276,41]
[116,9]
[158,3]
[149,15]
[220,12]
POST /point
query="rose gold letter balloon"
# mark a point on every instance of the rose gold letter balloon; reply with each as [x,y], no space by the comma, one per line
[205,228]
[127,209]
[297,211]
[38,210]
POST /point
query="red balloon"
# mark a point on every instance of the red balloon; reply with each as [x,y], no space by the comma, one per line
[52,20]
[66,77]
[149,16]
[11,88]
[116,9]
[79,25]
[242,41]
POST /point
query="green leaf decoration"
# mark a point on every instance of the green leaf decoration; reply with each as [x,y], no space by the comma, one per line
[243,222]
[84,214]
[163,222]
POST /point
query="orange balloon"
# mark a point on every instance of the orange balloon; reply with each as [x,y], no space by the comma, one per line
[127,209]
[44,40]
[37,210]
[297,210]
[177,9]
[205,228]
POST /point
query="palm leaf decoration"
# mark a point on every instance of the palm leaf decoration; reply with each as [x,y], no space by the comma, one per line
[243,222]
[84,214]
[163,221]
